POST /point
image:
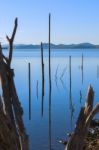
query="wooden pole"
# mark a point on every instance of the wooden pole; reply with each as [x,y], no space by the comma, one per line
[70,71]
[50,51]
[49,81]
[29,75]
[70,97]
[42,62]
[70,92]
[42,65]
[82,68]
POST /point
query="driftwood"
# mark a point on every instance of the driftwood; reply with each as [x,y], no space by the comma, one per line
[12,131]
[77,139]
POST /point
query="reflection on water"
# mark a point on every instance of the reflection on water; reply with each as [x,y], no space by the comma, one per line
[56,76]
[50,118]
[54,113]
[97,71]
[37,89]
[80,96]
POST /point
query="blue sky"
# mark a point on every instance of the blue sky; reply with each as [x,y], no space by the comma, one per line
[72,21]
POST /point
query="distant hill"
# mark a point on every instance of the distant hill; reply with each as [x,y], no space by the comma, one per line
[53,46]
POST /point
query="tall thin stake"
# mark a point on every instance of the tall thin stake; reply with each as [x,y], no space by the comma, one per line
[49,82]
[50,51]
[70,92]
[42,65]
[70,72]
[29,71]
[82,68]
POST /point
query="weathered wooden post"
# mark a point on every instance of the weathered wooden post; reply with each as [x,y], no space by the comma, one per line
[42,66]
[70,72]
[29,75]
[82,67]
[49,81]
[70,91]
[50,51]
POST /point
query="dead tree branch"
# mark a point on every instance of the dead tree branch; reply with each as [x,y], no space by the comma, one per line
[10,40]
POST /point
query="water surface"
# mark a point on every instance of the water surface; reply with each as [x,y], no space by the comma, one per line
[52,119]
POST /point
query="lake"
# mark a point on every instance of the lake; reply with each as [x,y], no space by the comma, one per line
[52,119]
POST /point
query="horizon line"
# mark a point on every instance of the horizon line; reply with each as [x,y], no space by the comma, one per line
[51,43]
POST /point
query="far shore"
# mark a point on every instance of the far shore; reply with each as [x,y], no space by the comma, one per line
[54,46]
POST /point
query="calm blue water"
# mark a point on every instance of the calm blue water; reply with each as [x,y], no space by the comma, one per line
[51,123]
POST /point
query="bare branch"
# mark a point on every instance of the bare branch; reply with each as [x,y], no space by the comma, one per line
[14,31]
[7,38]
[10,40]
